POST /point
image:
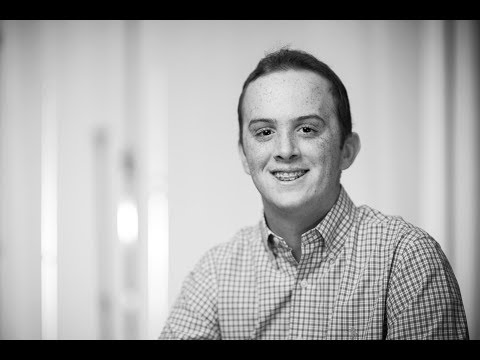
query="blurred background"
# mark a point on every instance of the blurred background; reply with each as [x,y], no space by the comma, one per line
[119,164]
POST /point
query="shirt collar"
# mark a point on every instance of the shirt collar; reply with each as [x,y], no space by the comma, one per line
[267,234]
[333,228]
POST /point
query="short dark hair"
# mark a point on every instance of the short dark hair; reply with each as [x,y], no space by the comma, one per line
[286,59]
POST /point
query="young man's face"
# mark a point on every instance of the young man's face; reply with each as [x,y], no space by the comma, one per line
[291,140]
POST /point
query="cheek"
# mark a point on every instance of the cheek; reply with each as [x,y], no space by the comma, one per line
[324,156]
[257,157]
[256,160]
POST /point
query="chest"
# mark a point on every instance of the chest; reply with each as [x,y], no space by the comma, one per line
[330,300]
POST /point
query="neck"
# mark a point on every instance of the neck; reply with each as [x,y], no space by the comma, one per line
[290,224]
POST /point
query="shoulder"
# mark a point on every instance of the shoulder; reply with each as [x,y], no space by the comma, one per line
[392,232]
[413,252]
[420,255]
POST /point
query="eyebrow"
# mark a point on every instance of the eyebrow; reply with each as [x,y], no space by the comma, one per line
[298,119]
[310,116]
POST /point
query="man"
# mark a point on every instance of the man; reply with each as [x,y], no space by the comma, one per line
[315,266]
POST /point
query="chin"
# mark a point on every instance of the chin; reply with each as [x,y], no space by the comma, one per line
[288,203]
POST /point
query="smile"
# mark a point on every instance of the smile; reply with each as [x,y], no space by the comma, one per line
[289,175]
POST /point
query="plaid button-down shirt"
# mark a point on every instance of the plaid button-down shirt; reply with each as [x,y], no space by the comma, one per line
[362,275]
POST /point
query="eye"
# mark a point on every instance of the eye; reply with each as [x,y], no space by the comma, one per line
[263,133]
[308,130]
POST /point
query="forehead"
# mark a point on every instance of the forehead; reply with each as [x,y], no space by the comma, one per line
[288,94]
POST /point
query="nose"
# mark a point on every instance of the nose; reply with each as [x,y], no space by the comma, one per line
[286,147]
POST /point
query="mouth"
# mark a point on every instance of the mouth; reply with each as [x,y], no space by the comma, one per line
[287,176]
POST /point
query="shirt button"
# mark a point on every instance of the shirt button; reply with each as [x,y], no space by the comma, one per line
[304,284]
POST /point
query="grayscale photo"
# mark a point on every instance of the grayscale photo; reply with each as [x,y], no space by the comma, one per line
[239,179]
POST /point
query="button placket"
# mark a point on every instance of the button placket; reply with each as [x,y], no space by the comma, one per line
[304,284]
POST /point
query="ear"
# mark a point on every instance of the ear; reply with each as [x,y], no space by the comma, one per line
[243,158]
[350,150]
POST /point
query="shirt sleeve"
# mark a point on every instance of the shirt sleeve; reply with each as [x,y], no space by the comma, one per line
[424,300]
[194,313]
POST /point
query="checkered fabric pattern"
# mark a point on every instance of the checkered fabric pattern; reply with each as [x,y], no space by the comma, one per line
[362,275]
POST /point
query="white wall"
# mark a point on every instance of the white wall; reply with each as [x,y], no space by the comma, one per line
[20,289]
[75,96]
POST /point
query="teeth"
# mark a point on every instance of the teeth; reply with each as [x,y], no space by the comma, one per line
[288,176]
